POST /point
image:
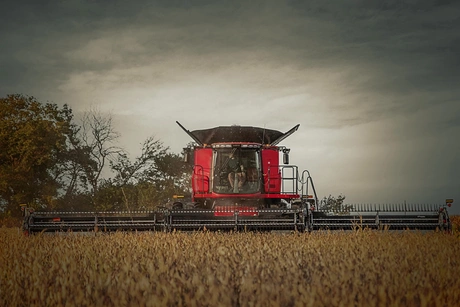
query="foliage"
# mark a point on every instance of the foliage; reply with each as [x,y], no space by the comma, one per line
[151,179]
[335,204]
[33,139]
[48,162]
[133,172]
[364,268]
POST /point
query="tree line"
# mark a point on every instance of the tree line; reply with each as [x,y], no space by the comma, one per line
[49,162]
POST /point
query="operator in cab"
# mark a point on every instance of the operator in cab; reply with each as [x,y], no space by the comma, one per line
[237,173]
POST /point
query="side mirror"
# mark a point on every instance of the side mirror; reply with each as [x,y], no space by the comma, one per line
[286,158]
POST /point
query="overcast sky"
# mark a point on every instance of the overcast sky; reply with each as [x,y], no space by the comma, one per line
[374,85]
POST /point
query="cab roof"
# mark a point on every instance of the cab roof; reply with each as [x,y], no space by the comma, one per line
[248,134]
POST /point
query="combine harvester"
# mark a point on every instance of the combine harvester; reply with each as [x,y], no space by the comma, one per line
[238,184]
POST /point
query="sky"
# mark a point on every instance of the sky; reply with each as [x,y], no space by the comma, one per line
[374,85]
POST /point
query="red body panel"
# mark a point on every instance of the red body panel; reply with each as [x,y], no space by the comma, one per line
[201,171]
[271,173]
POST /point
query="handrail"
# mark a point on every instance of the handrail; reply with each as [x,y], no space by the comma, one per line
[305,182]
[293,178]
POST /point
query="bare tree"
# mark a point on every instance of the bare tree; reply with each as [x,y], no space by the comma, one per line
[98,136]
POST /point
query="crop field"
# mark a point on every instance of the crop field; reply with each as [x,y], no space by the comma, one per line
[362,268]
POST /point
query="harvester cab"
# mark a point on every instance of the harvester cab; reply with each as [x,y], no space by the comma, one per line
[238,166]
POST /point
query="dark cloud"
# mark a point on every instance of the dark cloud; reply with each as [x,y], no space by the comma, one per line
[372,37]
[389,49]
[368,80]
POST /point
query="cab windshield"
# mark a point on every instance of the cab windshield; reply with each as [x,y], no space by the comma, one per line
[236,171]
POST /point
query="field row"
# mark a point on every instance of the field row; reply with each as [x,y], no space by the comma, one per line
[237,269]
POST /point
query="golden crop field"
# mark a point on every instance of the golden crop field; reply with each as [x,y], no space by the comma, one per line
[363,268]
[455,222]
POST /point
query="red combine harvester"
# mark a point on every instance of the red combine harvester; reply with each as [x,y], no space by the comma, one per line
[239,184]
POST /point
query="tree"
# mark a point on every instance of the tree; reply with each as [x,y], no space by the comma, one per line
[122,192]
[171,176]
[335,204]
[152,178]
[98,136]
[33,142]
[127,171]
[48,162]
